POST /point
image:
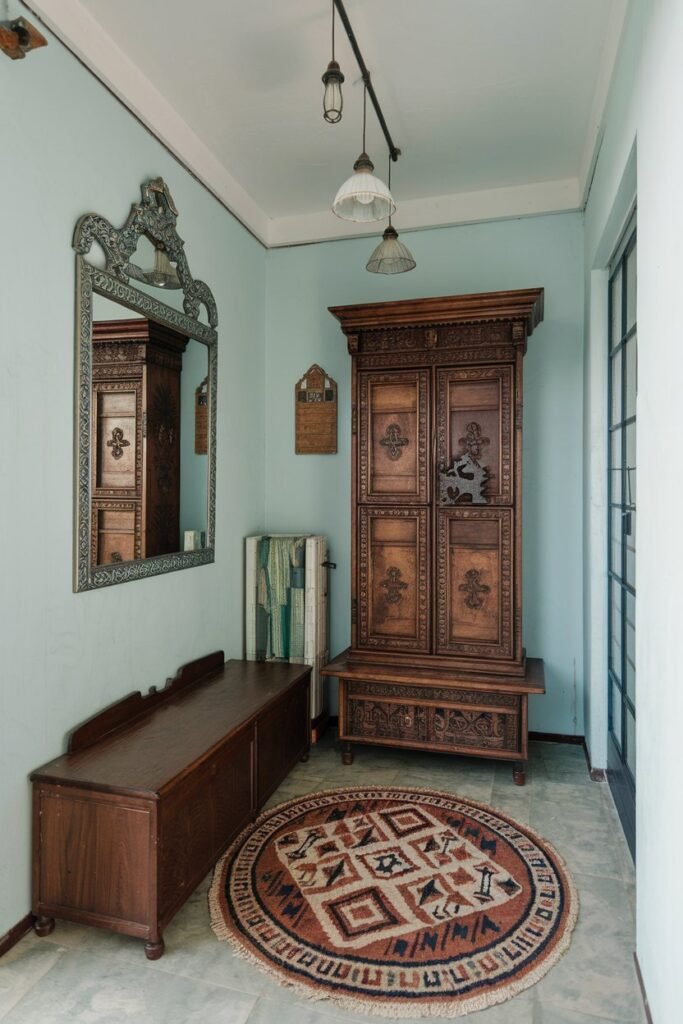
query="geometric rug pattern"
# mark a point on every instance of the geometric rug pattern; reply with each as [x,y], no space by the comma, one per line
[395,901]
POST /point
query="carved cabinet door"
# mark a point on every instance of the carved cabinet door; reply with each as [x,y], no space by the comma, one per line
[475,614]
[393,437]
[474,435]
[393,579]
[116,425]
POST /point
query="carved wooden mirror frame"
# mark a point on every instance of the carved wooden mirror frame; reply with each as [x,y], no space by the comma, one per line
[155,218]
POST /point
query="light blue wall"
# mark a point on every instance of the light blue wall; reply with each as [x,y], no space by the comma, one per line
[69,148]
[311,492]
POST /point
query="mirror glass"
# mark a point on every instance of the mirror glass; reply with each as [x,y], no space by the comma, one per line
[145,399]
[143,370]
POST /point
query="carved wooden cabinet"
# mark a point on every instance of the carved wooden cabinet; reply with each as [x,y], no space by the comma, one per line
[436,658]
[135,505]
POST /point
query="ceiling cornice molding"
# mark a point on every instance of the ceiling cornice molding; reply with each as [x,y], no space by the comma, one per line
[434,211]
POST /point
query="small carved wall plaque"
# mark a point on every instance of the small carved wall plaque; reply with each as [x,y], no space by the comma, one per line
[201,418]
[315,402]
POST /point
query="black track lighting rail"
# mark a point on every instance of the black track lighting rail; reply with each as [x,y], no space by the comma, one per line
[394,152]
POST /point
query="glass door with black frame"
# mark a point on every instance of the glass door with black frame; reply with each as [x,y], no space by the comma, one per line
[623,386]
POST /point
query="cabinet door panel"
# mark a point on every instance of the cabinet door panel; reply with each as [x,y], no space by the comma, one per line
[475,593]
[474,435]
[393,437]
[115,531]
[116,426]
[393,579]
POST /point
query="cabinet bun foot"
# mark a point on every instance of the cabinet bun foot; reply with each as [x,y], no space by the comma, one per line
[519,774]
[154,950]
[347,753]
[44,925]
[304,757]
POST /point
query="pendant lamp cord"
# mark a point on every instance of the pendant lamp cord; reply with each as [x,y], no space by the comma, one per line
[389,185]
[365,101]
[332,29]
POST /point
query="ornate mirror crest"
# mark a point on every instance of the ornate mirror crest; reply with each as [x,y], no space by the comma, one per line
[153,218]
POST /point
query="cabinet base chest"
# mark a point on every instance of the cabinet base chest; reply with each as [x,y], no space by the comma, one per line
[443,711]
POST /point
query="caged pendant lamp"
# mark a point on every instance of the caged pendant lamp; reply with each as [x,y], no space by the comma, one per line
[390,256]
[363,197]
[333,100]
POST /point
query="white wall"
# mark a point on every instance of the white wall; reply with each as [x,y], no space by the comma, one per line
[68,148]
[644,111]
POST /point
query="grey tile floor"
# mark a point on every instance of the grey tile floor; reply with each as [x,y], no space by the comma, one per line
[85,976]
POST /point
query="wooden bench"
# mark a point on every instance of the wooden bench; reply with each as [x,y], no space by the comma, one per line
[154,788]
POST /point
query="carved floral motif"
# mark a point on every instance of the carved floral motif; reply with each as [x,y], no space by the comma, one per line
[473,443]
[394,585]
[453,728]
[474,589]
[117,443]
[393,442]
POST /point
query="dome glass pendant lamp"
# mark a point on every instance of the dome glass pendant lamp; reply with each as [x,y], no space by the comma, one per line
[333,101]
[163,274]
[363,197]
[390,256]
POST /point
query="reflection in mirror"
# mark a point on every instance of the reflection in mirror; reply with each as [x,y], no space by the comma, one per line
[145,399]
[149,484]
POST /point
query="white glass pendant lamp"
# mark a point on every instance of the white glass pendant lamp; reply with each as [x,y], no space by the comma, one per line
[363,197]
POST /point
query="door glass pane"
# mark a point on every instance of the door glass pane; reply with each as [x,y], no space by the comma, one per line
[631,376]
[631,742]
[615,301]
[630,481]
[615,712]
[630,679]
[615,384]
[615,612]
[615,556]
[630,626]
[631,289]
[615,466]
[615,655]
[631,550]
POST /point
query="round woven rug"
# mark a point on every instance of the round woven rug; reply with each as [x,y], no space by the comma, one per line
[395,901]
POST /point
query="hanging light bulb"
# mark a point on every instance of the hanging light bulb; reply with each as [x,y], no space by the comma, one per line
[390,256]
[164,274]
[333,101]
[363,197]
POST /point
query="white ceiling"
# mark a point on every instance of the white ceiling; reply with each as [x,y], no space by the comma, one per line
[495,104]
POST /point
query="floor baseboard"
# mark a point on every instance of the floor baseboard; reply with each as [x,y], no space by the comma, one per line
[556,737]
[16,932]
